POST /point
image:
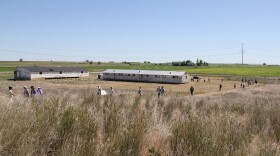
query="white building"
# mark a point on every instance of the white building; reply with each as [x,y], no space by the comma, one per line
[146,76]
[30,73]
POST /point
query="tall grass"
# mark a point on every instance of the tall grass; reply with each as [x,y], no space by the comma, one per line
[82,123]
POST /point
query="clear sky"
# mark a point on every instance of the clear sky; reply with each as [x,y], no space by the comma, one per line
[141,30]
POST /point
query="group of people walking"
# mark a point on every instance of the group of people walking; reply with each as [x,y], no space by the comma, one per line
[160,91]
[26,92]
[102,92]
[32,92]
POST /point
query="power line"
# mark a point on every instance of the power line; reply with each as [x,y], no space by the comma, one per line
[48,54]
[96,50]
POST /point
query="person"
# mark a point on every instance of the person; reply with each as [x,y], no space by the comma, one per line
[111,92]
[234,86]
[99,90]
[161,91]
[11,94]
[158,91]
[40,91]
[140,91]
[192,90]
[25,92]
[221,87]
[32,91]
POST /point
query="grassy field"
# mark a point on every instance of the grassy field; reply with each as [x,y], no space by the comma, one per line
[78,122]
[216,69]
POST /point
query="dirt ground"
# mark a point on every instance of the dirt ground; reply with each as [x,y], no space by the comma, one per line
[120,87]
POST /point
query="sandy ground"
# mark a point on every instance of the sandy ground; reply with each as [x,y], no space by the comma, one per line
[91,82]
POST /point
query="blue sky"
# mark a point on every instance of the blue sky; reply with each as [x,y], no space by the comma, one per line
[139,30]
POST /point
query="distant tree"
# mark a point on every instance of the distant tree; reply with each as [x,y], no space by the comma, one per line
[201,63]
[264,64]
[175,64]
[99,62]
[87,60]
[20,60]
[147,62]
[90,62]
[205,63]
[183,63]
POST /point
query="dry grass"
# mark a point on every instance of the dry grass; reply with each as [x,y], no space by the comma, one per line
[63,85]
[72,120]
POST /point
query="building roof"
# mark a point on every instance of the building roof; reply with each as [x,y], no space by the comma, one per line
[145,72]
[54,69]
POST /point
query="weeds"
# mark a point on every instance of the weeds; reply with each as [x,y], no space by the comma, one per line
[82,123]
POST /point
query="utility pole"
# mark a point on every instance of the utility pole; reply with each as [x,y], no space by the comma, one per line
[242,52]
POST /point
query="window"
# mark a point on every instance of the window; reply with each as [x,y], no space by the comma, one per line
[141,75]
[157,76]
[163,76]
[133,74]
[175,77]
[128,74]
[60,72]
[147,75]
[82,72]
[41,73]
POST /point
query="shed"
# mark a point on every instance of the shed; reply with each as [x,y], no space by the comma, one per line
[30,73]
[156,76]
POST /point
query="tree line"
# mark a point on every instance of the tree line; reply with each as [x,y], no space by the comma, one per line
[199,62]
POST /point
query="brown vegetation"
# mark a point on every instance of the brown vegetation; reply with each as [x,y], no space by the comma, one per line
[74,121]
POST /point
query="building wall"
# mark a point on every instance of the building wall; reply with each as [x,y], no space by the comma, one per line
[22,74]
[145,78]
[37,75]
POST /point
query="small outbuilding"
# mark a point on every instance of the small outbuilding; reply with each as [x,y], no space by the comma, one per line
[30,73]
[146,76]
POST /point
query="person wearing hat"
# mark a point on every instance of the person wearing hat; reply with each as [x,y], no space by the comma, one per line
[40,91]
[25,92]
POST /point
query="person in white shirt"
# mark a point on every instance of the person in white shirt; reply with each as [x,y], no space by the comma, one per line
[99,90]
[111,92]
[11,94]
[140,91]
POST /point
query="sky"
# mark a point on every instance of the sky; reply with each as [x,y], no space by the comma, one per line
[140,30]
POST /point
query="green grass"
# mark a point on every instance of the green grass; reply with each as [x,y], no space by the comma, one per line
[238,71]
[215,69]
